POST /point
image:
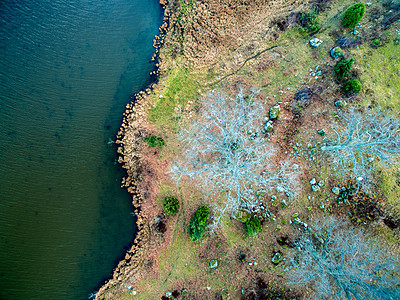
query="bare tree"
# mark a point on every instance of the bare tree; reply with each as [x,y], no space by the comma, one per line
[228,156]
[337,262]
[365,137]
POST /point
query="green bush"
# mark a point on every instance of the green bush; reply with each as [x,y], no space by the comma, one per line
[310,21]
[198,223]
[353,15]
[352,86]
[154,141]
[252,226]
[343,67]
[170,205]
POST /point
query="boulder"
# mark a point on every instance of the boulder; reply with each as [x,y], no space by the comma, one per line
[340,103]
[336,52]
[213,263]
[274,111]
[277,258]
[315,188]
[268,127]
[315,42]
[336,190]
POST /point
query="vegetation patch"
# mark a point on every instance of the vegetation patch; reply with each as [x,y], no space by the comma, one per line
[198,223]
[252,226]
[154,141]
[170,205]
[353,15]
[352,86]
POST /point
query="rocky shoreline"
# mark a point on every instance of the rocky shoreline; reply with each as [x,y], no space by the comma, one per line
[130,139]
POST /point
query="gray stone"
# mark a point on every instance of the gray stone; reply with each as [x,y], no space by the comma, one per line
[277,258]
[321,183]
[315,188]
[296,220]
[337,52]
[313,181]
[168,295]
[340,103]
[336,190]
[268,127]
[213,263]
[315,42]
[274,111]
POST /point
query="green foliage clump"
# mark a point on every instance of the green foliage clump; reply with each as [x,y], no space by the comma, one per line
[154,141]
[310,21]
[343,67]
[352,86]
[353,15]
[170,205]
[252,226]
[198,223]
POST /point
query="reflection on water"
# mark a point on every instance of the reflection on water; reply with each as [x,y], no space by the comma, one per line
[67,68]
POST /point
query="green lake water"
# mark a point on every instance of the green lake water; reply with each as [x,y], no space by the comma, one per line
[67,68]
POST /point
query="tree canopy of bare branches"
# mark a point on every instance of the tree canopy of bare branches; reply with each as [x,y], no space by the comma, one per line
[337,262]
[364,137]
[226,154]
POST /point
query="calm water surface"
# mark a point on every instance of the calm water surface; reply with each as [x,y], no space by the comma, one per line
[67,68]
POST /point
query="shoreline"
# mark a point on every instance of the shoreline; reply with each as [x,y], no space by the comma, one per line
[134,115]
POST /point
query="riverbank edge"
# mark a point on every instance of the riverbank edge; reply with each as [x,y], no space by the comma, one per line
[134,118]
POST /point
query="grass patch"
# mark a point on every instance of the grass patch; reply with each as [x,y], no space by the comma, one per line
[170,105]
[380,74]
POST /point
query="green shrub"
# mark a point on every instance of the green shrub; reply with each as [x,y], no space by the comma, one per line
[352,86]
[198,223]
[170,205]
[310,21]
[154,141]
[343,67]
[353,15]
[252,226]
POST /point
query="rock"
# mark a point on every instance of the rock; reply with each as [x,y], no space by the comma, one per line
[277,258]
[296,220]
[208,288]
[213,263]
[302,99]
[168,295]
[284,204]
[315,188]
[346,42]
[337,52]
[268,127]
[313,181]
[321,183]
[315,42]
[336,190]
[274,111]
[340,103]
